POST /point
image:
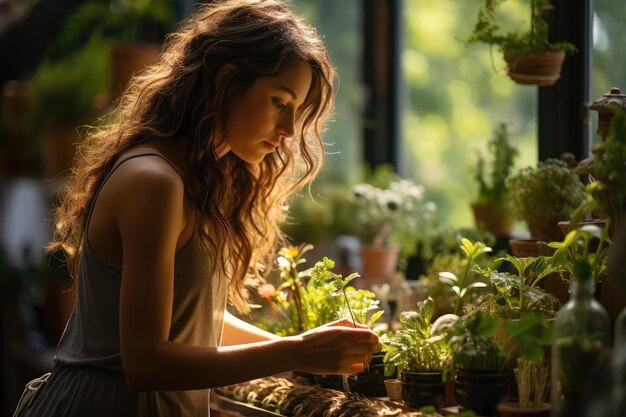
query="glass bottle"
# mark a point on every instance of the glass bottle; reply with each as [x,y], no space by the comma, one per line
[580,351]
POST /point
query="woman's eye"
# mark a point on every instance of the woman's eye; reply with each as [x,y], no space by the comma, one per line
[278,103]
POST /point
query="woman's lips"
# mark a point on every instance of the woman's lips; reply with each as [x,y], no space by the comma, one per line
[270,145]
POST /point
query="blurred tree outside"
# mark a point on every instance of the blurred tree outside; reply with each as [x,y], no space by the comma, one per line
[339,23]
[455,97]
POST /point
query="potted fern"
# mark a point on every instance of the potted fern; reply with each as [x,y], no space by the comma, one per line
[530,56]
[492,210]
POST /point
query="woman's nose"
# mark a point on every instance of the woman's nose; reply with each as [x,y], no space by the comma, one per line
[286,126]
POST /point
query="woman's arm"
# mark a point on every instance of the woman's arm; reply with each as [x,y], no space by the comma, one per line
[239,332]
[149,216]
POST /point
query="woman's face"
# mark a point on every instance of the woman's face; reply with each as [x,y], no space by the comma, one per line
[267,112]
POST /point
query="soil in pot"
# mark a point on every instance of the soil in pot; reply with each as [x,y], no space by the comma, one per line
[422,389]
[371,381]
[480,391]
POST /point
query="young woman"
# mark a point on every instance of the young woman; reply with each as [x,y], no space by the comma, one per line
[175,202]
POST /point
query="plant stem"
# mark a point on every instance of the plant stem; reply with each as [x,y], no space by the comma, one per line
[348,304]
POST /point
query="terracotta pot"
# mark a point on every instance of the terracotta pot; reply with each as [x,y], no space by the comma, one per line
[514,410]
[524,248]
[379,263]
[548,231]
[495,218]
[564,225]
[542,69]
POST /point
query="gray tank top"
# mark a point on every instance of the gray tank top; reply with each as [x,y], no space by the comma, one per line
[91,337]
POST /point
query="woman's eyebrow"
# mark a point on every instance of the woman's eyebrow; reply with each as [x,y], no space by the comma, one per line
[290,91]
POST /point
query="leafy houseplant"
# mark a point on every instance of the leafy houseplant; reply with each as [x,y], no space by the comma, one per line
[460,285]
[518,294]
[119,22]
[492,210]
[577,246]
[397,215]
[530,56]
[418,355]
[545,194]
[61,97]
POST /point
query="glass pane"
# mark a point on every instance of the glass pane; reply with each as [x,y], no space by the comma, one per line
[456,96]
[339,22]
[609,55]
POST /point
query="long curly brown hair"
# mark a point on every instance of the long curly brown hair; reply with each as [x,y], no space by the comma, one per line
[238,205]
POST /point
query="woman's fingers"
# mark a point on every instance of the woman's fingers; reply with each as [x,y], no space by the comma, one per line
[338,349]
[346,323]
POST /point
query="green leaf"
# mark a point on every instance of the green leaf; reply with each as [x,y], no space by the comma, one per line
[375,317]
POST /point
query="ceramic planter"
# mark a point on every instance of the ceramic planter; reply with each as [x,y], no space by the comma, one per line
[480,391]
[420,389]
[543,69]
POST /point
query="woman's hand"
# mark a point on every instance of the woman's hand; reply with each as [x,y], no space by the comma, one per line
[336,348]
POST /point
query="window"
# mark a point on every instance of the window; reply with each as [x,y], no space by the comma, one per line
[455,97]
[339,22]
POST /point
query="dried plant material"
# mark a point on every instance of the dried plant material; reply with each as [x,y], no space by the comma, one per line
[290,399]
[532,382]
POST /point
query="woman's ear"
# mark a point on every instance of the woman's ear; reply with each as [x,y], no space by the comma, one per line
[225,70]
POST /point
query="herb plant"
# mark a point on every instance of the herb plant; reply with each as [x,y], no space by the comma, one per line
[577,247]
[460,285]
[310,298]
[518,294]
[335,286]
[503,154]
[413,348]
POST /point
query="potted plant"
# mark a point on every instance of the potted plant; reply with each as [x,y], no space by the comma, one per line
[518,294]
[303,300]
[530,56]
[492,210]
[393,221]
[61,96]
[478,362]
[466,281]
[529,337]
[543,195]
[355,305]
[418,356]
[120,23]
